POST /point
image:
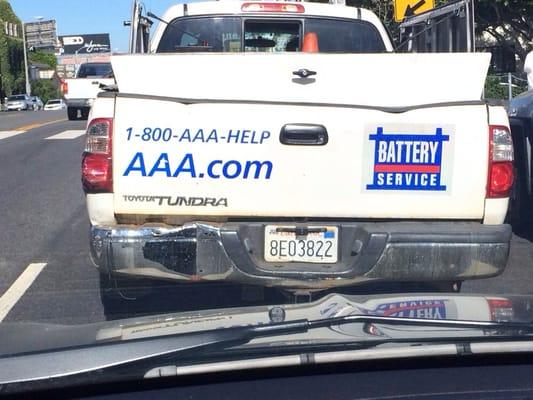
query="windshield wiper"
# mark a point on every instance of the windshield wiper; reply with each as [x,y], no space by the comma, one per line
[85,359]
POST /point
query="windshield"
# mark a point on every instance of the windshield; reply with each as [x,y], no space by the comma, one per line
[16,98]
[173,168]
[233,34]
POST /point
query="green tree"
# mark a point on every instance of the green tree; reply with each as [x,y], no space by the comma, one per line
[509,22]
[496,88]
[6,12]
[42,57]
[11,54]
[45,89]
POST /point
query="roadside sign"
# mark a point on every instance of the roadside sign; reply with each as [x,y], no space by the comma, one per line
[41,34]
[85,44]
[407,8]
[426,33]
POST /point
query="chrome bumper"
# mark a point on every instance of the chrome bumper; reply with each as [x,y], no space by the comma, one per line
[80,103]
[233,252]
[10,107]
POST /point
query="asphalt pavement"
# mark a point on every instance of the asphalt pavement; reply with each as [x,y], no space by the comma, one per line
[24,120]
[45,271]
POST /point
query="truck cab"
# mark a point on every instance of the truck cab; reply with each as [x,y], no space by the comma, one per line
[269,27]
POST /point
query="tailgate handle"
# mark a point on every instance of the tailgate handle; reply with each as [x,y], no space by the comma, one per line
[304,135]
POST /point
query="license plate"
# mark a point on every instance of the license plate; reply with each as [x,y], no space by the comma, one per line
[314,244]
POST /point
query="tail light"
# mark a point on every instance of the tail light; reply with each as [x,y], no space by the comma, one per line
[64,87]
[501,173]
[97,165]
[501,309]
[272,7]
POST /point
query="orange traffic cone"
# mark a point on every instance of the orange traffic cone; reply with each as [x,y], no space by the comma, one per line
[310,44]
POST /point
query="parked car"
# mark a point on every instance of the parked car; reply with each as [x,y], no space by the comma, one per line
[19,102]
[521,122]
[37,103]
[55,104]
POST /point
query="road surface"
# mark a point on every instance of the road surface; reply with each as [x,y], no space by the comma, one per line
[47,275]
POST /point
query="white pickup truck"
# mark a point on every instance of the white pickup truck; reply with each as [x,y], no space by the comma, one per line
[81,91]
[285,145]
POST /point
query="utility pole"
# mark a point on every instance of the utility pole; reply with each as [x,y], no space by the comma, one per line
[1,86]
[133,26]
[26,75]
[510,85]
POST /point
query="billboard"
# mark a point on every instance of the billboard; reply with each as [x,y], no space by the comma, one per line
[68,64]
[84,44]
[41,34]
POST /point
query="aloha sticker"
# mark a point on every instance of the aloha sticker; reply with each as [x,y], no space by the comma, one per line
[428,309]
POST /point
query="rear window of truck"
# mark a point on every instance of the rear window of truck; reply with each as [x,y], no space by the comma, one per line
[246,34]
[97,70]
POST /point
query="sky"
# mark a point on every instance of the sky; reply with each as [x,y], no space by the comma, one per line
[87,16]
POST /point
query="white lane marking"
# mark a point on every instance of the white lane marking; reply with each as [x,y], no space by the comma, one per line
[8,134]
[67,135]
[18,288]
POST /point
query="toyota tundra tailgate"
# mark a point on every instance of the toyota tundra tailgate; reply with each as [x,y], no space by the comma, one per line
[259,137]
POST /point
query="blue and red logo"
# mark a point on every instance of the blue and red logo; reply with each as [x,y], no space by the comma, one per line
[427,309]
[408,161]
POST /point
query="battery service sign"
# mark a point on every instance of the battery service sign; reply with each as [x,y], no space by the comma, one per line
[408,161]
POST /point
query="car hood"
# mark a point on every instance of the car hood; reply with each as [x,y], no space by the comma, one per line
[522,105]
[30,337]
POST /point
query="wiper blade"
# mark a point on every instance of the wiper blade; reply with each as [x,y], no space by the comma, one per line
[85,359]
[443,323]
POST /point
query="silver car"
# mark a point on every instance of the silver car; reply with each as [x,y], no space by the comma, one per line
[19,102]
[55,104]
[36,103]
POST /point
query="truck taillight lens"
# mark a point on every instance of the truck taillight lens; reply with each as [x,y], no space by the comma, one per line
[501,172]
[97,165]
[64,87]
[501,309]
[272,7]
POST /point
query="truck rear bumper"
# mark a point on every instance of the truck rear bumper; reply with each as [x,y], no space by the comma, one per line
[16,107]
[233,252]
[80,103]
